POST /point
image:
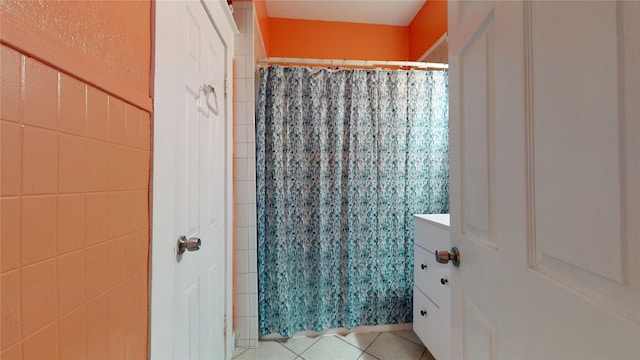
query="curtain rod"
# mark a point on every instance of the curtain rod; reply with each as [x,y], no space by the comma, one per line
[358,63]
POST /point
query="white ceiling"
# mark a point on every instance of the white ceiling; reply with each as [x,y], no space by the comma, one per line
[387,12]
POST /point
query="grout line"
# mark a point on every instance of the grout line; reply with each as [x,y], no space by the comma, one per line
[374,340]
[240,353]
[309,347]
[360,357]
[287,348]
[406,338]
[348,343]
[362,352]
[339,338]
[282,341]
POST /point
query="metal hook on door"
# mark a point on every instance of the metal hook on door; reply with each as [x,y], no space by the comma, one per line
[209,89]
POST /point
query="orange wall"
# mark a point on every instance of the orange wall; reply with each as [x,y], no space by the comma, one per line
[105,43]
[427,27]
[263,22]
[337,40]
[74,214]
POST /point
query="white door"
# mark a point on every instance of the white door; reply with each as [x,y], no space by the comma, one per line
[190,176]
[545,179]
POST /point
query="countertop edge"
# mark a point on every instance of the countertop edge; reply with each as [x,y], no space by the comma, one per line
[441,220]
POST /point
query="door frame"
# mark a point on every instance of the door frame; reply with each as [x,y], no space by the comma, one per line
[220,15]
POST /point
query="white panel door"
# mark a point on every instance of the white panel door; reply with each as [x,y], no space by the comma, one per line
[190,174]
[545,179]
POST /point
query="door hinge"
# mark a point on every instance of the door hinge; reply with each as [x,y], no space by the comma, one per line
[226,83]
[226,322]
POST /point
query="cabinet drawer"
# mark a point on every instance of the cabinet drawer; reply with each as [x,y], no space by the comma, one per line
[420,267]
[429,279]
[424,315]
[433,328]
[430,236]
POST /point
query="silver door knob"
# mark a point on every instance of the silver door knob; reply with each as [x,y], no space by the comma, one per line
[444,256]
[191,244]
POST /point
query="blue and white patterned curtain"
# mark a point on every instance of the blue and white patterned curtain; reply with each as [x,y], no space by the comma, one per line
[344,159]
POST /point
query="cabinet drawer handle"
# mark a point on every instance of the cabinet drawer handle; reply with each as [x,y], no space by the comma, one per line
[423,266]
[423,313]
[443,281]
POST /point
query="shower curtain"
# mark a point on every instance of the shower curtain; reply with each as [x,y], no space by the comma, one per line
[344,159]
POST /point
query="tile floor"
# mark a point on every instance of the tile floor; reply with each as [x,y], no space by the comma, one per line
[395,345]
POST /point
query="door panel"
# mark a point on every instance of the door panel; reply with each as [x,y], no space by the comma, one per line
[545,179]
[191,157]
[473,158]
[477,126]
[588,164]
[579,157]
[479,333]
[192,297]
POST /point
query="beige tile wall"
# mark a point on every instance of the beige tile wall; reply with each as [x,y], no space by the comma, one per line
[74,217]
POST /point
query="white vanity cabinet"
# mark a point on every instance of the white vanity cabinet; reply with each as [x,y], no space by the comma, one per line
[431,293]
